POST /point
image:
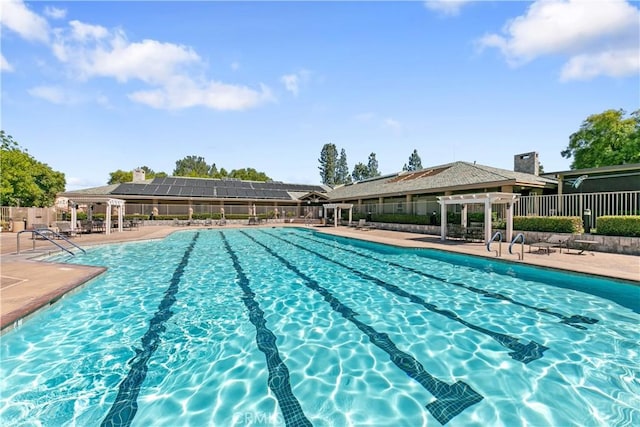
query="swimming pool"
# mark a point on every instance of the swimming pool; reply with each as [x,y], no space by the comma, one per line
[288,326]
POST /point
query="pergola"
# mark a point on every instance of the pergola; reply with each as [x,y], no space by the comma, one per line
[337,207]
[487,199]
[98,200]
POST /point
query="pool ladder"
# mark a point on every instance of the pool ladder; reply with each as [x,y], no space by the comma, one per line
[42,232]
[498,236]
[514,241]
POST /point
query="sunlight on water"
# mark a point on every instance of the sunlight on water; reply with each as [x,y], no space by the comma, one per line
[265,327]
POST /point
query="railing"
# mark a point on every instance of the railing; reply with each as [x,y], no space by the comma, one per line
[497,235]
[42,233]
[514,241]
[599,204]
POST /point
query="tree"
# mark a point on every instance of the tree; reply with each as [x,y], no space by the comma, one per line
[342,169]
[372,166]
[192,166]
[328,162]
[360,172]
[605,139]
[120,176]
[415,163]
[249,174]
[24,180]
[150,173]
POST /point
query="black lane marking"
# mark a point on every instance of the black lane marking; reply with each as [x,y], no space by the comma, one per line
[571,321]
[278,373]
[125,406]
[524,353]
[451,399]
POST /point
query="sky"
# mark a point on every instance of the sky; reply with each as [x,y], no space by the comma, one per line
[92,87]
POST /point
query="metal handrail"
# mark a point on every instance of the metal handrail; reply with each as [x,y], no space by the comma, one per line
[499,236]
[41,232]
[515,240]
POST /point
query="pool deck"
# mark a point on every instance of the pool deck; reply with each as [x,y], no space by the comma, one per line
[28,285]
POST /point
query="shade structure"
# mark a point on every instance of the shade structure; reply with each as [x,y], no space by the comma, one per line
[487,199]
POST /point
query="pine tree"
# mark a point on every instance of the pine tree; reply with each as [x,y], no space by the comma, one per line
[415,163]
[360,172]
[342,169]
[328,164]
[372,166]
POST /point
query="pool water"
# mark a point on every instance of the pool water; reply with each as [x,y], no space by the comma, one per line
[279,326]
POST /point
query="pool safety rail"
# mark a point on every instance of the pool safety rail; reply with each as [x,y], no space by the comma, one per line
[497,236]
[47,234]
[520,237]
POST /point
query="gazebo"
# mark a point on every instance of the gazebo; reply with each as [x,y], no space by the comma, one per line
[487,199]
[109,202]
[337,207]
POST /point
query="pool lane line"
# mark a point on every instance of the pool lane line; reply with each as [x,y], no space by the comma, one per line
[450,401]
[524,353]
[125,406]
[278,373]
[571,321]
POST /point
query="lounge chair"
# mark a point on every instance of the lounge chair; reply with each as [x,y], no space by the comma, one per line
[555,240]
[363,225]
[64,228]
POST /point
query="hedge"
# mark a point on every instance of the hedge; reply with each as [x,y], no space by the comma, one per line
[554,224]
[628,226]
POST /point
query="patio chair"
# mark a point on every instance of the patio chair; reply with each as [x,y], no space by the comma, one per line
[64,228]
[363,225]
[555,240]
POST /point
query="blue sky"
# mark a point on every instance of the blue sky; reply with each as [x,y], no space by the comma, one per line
[89,88]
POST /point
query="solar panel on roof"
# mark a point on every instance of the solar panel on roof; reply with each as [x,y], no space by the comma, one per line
[209,192]
[162,189]
[174,190]
[185,191]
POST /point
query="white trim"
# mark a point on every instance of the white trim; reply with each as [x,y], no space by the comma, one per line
[479,198]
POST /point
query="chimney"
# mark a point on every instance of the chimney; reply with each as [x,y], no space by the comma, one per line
[138,175]
[526,163]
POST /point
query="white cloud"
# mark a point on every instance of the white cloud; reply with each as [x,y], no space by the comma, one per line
[170,69]
[4,64]
[85,32]
[590,33]
[17,17]
[54,12]
[183,92]
[446,7]
[292,82]
[392,124]
[173,72]
[618,63]
[52,94]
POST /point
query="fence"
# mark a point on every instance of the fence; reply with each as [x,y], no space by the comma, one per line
[28,216]
[599,204]
[596,204]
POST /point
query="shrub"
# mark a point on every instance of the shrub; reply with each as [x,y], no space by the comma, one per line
[628,226]
[555,224]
